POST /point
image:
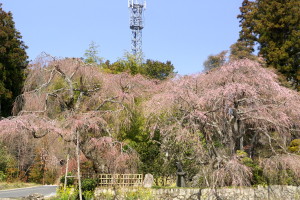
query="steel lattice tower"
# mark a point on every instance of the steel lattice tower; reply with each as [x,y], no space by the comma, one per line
[136,25]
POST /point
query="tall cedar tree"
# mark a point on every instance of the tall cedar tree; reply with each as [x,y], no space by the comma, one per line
[13,62]
[247,36]
[275,26]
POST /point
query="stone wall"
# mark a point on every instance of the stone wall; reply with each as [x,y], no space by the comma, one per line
[255,193]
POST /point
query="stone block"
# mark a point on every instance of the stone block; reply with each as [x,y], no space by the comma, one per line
[148,181]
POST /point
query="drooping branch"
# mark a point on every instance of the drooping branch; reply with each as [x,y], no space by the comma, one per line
[240,106]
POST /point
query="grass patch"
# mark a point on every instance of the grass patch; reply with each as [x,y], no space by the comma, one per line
[171,187]
[7,186]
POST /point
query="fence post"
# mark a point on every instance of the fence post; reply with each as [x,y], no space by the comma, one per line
[66,174]
[78,165]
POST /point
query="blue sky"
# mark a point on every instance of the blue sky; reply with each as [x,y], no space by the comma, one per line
[184,32]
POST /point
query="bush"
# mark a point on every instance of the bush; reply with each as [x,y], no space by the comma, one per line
[88,185]
[139,194]
[295,146]
[70,180]
[258,177]
[67,194]
[88,195]
[2,176]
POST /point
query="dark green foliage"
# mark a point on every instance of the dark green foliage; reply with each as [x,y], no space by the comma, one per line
[214,61]
[247,37]
[150,156]
[152,69]
[158,70]
[13,62]
[274,25]
[88,185]
[70,180]
[147,145]
[277,27]
[4,158]
[240,50]
[258,176]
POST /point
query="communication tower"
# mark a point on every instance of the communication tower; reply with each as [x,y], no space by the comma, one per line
[137,9]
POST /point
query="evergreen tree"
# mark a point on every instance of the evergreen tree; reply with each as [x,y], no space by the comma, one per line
[274,25]
[158,70]
[91,54]
[247,37]
[214,61]
[240,50]
[277,28]
[13,62]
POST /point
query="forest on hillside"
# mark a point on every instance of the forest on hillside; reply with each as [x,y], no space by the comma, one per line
[235,124]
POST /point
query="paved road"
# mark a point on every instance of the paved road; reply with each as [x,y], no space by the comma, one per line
[46,190]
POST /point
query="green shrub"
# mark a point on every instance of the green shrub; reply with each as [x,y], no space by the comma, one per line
[88,195]
[295,142]
[2,176]
[139,194]
[258,177]
[70,180]
[295,146]
[88,185]
[67,194]
[241,153]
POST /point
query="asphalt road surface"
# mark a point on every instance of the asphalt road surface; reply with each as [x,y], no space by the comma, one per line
[46,190]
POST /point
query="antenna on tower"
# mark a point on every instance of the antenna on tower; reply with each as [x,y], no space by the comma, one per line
[137,9]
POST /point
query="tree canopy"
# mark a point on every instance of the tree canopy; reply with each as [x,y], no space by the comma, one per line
[274,25]
[91,54]
[235,125]
[211,118]
[240,50]
[65,96]
[13,62]
[214,61]
[151,68]
[231,125]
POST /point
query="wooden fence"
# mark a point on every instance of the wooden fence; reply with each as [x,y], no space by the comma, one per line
[119,180]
